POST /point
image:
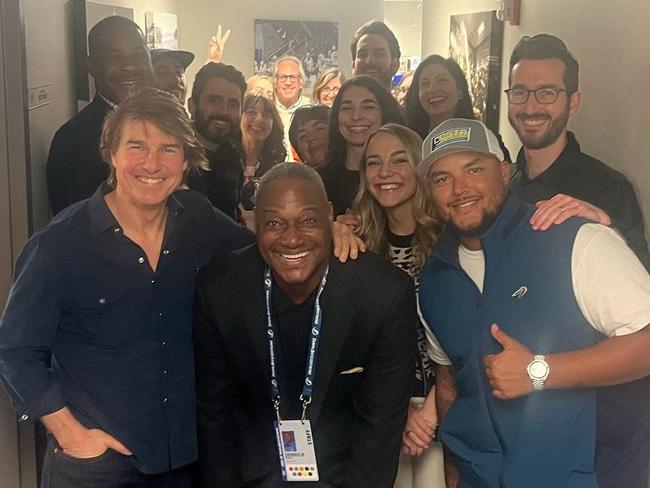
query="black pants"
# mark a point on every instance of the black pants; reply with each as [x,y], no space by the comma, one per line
[109,470]
[623,440]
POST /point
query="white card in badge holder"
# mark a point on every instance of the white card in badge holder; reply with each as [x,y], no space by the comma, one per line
[296,450]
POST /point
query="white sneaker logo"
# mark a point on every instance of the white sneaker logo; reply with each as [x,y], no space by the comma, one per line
[520,292]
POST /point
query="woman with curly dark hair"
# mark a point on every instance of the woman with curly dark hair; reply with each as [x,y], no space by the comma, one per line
[360,108]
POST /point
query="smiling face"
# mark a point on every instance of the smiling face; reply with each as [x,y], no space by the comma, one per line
[169,76]
[328,93]
[375,59]
[120,63]
[438,93]
[288,83]
[313,138]
[468,190]
[256,122]
[540,125]
[359,115]
[217,112]
[390,175]
[149,165]
[293,233]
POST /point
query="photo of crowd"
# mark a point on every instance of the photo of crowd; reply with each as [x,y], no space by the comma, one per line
[476,43]
[316,44]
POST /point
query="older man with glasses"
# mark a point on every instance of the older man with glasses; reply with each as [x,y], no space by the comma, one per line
[289,78]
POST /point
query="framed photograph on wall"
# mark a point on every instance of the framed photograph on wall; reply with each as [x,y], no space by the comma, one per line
[161,30]
[315,43]
[476,44]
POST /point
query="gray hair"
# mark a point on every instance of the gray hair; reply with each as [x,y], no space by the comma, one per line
[292,59]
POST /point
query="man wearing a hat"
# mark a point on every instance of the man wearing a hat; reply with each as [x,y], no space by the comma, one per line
[169,71]
[530,322]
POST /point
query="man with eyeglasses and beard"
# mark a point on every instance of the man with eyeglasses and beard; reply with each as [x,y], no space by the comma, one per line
[215,106]
[543,95]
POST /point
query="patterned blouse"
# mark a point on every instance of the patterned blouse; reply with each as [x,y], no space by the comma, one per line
[402,255]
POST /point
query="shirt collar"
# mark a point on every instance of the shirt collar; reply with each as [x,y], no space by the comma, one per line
[281,302]
[107,101]
[101,217]
[510,216]
[292,108]
[568,154]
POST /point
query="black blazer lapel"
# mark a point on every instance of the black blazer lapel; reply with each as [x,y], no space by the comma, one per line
[337,317]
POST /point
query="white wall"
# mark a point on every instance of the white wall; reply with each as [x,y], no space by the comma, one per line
[609,39]
[405,20]
[49,62]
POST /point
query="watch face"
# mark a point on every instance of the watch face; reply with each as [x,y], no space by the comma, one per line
[538,369]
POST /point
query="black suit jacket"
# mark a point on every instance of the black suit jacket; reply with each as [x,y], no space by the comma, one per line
[357,419]
[75,168]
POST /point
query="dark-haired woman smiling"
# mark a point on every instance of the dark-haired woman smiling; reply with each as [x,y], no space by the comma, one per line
[361,107]
[439,92]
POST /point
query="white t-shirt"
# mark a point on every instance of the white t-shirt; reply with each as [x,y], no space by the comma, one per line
[610,285]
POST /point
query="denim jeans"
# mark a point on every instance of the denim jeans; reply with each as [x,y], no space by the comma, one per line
[108,470]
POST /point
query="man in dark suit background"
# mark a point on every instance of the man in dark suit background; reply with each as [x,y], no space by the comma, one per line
[119,62]
[364,362]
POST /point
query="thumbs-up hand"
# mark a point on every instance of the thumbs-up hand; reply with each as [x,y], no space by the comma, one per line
[507,370]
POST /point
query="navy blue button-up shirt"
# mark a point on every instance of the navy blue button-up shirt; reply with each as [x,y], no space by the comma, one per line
[119,333]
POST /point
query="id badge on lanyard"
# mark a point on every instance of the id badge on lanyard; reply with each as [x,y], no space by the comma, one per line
[296,450]
[294,437]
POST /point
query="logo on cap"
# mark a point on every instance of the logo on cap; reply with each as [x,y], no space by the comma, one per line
[450,136]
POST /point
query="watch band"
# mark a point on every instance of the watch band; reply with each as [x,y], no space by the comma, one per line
[538,383]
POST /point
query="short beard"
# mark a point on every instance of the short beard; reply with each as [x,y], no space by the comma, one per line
[201,124]
[489,217]
[555,131]
[483,226]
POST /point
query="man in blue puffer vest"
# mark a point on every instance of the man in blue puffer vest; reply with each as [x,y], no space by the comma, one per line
[527,322]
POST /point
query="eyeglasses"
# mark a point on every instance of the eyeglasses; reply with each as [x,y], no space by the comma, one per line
[330,91]
[284,78]
[545,96]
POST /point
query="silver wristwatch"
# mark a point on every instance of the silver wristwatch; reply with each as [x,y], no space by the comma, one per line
[538,371]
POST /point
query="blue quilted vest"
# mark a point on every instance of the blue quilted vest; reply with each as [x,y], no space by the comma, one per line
[545,439]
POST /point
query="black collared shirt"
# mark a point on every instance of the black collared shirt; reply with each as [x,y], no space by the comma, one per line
[75,167]
[293,322]
[223,182]
[579,175]
[120,334]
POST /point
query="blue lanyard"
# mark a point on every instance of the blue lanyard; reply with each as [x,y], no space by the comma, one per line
[312,355]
